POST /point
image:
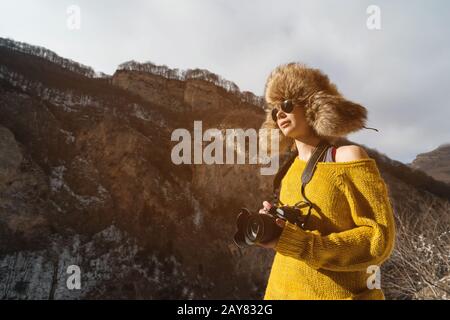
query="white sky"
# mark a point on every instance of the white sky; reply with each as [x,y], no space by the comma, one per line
[400,73]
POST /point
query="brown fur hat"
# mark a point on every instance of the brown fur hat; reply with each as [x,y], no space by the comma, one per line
[329,114]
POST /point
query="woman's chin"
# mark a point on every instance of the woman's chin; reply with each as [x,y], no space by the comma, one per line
[287,131]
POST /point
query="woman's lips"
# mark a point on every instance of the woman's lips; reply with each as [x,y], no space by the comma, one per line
[285,124]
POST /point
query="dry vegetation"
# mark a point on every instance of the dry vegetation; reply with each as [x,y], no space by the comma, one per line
[419,268]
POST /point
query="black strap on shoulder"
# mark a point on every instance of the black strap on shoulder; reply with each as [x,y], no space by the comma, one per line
[317,155]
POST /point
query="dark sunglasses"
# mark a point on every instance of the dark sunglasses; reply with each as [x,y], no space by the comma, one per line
[286,106]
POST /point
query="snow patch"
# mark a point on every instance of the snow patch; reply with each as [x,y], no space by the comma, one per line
[140,113]
[58,184]
[56,178]
[70,138]
[198,212]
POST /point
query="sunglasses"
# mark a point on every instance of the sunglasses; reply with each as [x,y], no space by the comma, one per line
[286,106]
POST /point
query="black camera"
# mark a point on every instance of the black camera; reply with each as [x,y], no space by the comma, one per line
[253,228]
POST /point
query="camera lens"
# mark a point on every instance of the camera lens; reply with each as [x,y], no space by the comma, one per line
[255,228]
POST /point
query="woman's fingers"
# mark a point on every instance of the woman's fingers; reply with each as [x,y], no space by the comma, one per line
[267,205]
[266,208]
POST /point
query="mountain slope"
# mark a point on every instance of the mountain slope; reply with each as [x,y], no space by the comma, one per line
[435,163]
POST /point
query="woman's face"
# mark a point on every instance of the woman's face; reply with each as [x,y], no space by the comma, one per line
[294,124]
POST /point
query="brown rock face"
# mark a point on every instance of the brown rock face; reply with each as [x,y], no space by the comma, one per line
[95,186]
[435,163]
[153,88]
[10,155]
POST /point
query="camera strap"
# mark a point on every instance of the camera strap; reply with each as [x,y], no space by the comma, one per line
[317,155]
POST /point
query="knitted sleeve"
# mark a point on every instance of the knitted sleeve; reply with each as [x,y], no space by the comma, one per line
[369,242]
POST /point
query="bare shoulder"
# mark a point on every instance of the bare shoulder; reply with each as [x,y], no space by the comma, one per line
[350,153]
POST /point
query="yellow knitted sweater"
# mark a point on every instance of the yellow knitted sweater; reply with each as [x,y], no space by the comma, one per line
[350,228]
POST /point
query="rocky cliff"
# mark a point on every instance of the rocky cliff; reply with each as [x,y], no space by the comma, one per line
[435,163]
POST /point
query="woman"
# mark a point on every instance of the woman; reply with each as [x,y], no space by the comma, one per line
[351,230]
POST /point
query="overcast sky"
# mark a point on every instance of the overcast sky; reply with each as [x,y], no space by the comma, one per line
[400,73]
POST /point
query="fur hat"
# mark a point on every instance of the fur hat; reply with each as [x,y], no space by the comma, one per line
[328,113]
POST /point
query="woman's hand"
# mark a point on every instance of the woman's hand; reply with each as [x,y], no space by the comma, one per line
[280,222]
